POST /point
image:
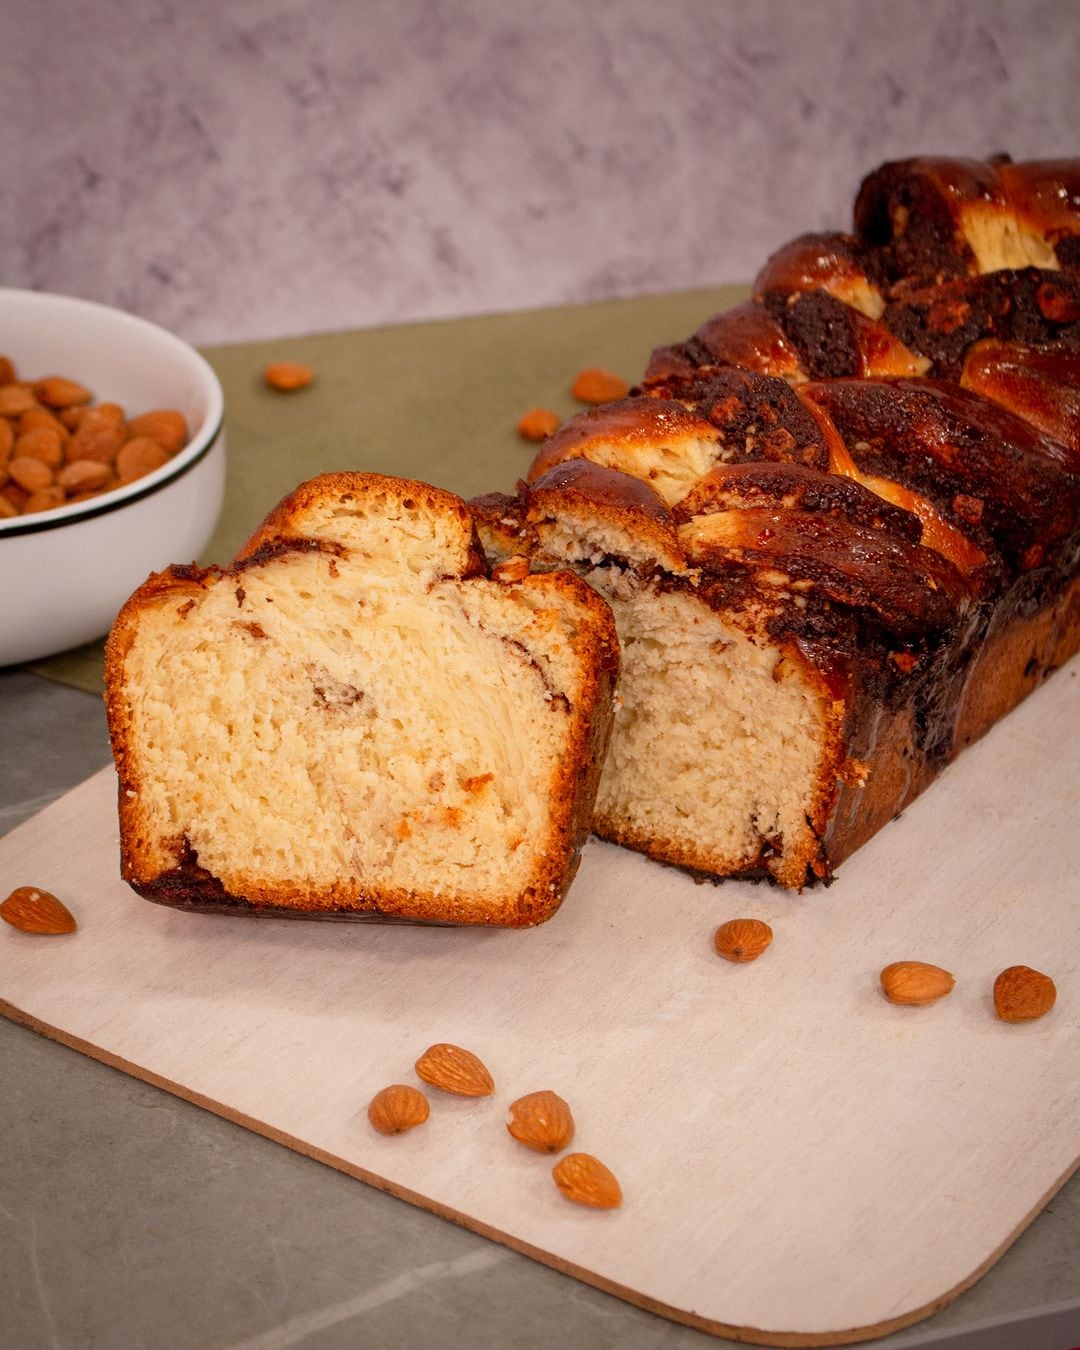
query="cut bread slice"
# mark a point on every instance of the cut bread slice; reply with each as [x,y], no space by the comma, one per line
[354,720]
[767,716]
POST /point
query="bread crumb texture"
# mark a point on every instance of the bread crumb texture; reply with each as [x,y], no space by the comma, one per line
[711,792]
[343,718]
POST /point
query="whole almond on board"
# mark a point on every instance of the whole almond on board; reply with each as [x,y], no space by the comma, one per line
[537,424]
[1022,994]
[585,1180]
[288,375]
[598,386]
[742,939]
[452,1069]
[915,982]
[541,1121]
[397,1108]
[33,910]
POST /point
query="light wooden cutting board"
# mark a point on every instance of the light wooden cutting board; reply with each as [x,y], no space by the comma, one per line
[803,1163]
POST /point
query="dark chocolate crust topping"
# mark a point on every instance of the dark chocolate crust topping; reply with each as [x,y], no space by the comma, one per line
[798,487]
[988,471]
[942,321]
[759,417]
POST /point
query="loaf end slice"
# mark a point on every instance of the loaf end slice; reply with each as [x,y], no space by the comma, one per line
[353,720]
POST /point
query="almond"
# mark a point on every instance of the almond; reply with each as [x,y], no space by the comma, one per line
[585,1180]
[537,424]
[1022,994]
[915,982]
[33,910]
[95,438]
[511,570]
[452,1069]
[598,386]
[44,499]
[397,1108]
[44,443]
[29,473]
[167,426]
[541,1121]
[742,939]
[16,399]
[84,475]
[288,375]
[56,391]
[140,455]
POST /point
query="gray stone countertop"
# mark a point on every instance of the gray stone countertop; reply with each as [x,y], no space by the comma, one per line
[132,1220]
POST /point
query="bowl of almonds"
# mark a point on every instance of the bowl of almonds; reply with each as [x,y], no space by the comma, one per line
[112,465]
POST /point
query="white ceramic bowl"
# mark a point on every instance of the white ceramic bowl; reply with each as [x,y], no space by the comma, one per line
[64,573]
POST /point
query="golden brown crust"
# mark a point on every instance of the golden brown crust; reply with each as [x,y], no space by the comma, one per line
[613,432]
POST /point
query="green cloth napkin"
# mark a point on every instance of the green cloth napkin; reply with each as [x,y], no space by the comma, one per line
[437,401]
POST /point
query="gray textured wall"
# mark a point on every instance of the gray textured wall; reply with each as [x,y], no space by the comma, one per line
[269,167]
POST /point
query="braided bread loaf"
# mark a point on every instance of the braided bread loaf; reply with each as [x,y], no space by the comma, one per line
[839,527]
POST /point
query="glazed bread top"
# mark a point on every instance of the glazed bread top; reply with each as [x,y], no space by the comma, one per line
[911,388]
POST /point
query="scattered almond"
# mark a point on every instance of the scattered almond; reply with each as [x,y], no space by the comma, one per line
[1022,994]
[397,1108]
[33,910]
[598,386]
[452,1069]
[541,1121]
[915,982]
[742,939]
[513,569]
[537,424]
[585,1180]
[288,375]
